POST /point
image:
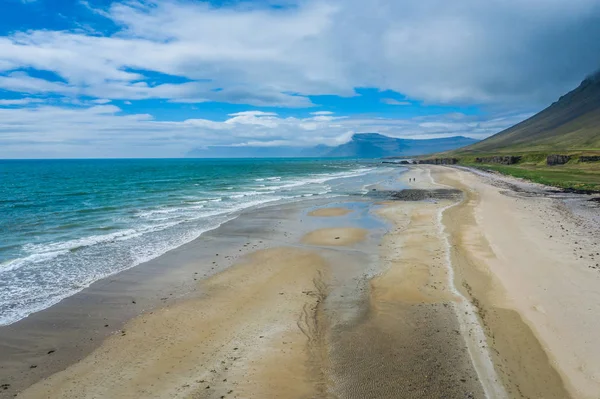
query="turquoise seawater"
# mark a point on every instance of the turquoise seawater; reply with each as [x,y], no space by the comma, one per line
[67,223]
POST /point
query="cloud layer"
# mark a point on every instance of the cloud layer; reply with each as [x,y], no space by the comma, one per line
[102,131]
[465,51]
[497,54]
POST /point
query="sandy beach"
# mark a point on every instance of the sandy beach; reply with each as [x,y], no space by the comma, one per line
[468,285]
[528,258]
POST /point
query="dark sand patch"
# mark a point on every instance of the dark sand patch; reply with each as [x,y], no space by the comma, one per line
[407,341]
[403,351]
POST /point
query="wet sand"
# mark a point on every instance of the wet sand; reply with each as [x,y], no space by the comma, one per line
[408,342]
[325,212]
[304,305]
[239,340]
[333,236]
[420,295]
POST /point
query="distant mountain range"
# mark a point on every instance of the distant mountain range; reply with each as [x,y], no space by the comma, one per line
[362,145]
[570,124]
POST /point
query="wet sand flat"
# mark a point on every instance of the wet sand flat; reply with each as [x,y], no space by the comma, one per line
[362,315]
[328,212]
[407,343]
[239,340]
[334,236]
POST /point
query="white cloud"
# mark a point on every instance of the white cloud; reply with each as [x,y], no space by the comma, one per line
[514,51]
[23,83]
[253,113]
[512,54]
[20,101]
[101,101]
[393,101]
[104,131]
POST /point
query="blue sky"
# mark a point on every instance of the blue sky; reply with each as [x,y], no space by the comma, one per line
[158,78]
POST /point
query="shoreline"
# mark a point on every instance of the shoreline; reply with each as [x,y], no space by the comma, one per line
[284,301]
[80,324]
[39,271]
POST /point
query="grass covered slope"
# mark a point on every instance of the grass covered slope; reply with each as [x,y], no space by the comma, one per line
[574,175]
[570,124]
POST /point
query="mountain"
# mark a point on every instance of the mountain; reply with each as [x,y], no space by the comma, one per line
[570,124]
[362,145]
[374,145]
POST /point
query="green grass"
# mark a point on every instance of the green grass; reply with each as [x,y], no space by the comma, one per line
[532,166]
[574,176]
[570,126]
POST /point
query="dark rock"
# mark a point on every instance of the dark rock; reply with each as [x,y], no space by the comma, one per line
[503,160]
[439,161]
[589,158]
[556,159]
[420,194]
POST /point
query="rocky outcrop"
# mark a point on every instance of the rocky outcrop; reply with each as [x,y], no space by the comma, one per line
[439,161]
[413,194]
[403,162]
[503,160]
[556,159]
[589,158]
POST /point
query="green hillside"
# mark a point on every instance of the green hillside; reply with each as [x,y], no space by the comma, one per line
[569,128]
[570,124]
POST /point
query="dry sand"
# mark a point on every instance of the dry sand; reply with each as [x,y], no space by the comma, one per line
[528,265]
[328,212]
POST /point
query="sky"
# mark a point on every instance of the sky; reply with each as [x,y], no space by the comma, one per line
[134,78]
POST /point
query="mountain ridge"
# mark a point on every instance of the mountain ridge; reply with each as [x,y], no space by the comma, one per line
[361,145]
[572,123]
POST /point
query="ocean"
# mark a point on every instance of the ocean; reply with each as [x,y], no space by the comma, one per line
[65,224]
